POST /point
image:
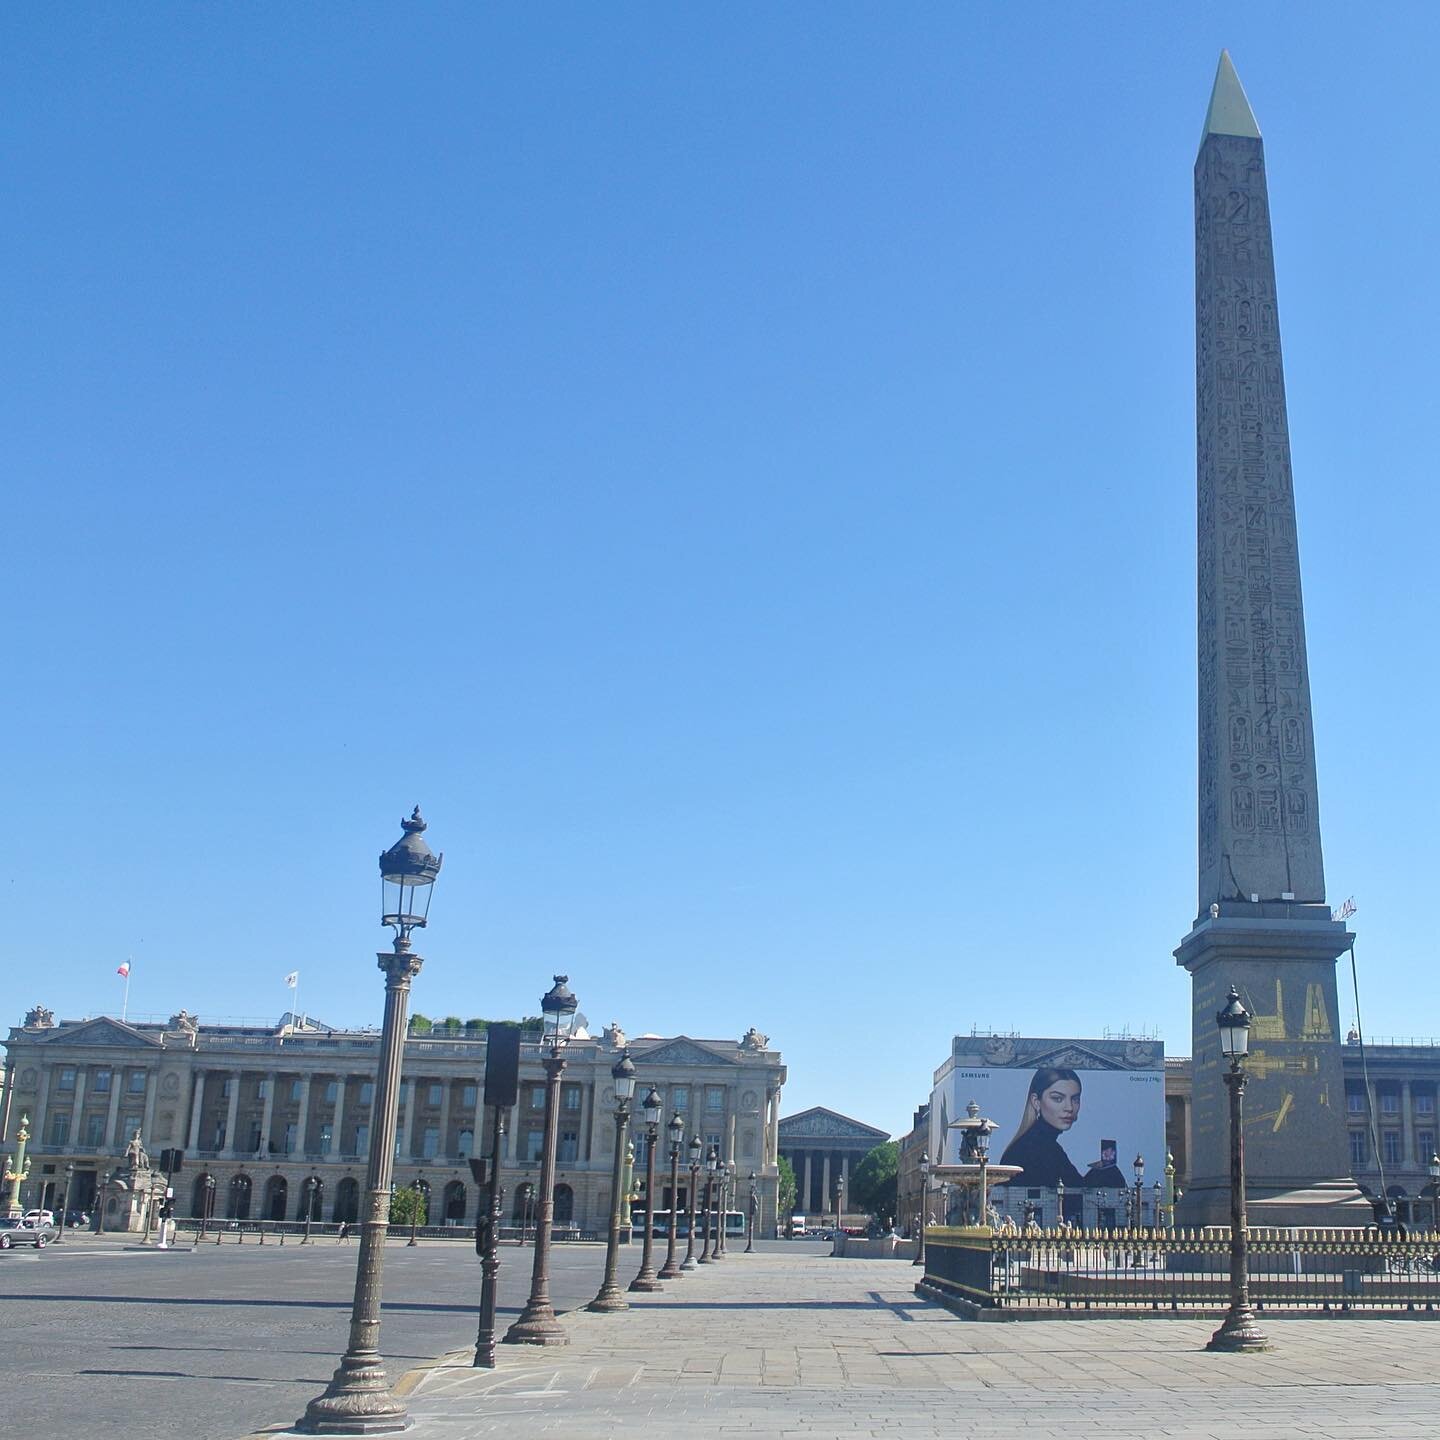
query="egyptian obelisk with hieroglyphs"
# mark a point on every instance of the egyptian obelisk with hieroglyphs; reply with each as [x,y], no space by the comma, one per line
[1263,924]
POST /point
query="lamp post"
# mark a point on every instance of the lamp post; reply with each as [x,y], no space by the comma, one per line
[610,1297]
[646,1279]
[311,1185]
[358,1398]
[418,1192]
[839,1203]
[1138,1169]
[1170,1196]
[712,1164]
[670,1270]
[1435,1192]
[924,1198]
[750,1211]
[982,1154]
[688,1263]
[719,1250]
[207,1204]
[537,1324]
[1059,1202]
[65,1201]
[1239,1330]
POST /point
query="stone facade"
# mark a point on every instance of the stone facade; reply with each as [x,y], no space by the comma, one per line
[263,1109]
[823,1147]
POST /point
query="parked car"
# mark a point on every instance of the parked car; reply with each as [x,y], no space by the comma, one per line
[25,1232]
[40,1217]
[76,1219]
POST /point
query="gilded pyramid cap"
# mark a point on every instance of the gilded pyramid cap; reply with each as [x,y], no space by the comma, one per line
[1229,112]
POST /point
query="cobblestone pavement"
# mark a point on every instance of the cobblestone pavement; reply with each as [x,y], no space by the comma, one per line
[804,1346]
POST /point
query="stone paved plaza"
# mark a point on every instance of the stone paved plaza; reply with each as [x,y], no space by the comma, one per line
[780,1344]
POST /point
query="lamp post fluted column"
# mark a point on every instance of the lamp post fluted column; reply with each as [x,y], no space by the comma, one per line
[1240,1331]
[704,1258]
[646,1280]
[610,1297]
[750,1210]
[670,1270]
[65,1202]
[924,1203]
[537,1324]
[358,1398]
[689,1262]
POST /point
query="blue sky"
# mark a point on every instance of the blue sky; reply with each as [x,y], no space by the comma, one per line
[735,468]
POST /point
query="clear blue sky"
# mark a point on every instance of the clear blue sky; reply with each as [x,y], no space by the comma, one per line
[734,467]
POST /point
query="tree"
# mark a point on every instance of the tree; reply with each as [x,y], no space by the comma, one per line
[874,1180]
[785,1201]
[405,1203]
[421,1024]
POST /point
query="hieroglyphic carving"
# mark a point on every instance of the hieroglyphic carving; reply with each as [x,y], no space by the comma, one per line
[1259,811]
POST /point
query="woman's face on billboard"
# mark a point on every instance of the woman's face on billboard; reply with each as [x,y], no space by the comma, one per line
[1059,1104]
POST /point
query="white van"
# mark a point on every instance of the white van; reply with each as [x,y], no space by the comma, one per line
[797,1227]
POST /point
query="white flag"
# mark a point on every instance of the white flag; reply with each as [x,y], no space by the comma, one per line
[293,979]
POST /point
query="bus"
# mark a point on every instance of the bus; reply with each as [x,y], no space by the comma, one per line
[734,1225]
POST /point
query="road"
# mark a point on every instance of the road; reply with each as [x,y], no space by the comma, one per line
[214,1344]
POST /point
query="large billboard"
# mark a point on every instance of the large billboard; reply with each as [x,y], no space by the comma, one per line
[1077,1111]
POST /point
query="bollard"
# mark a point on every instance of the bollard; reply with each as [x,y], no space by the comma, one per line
[218,1233]
[282,1237]
[262,1234]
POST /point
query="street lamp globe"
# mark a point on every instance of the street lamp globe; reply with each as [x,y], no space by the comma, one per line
[622,1072]
[407,870]
[651,1106]
[1139,1168]
[558,1006]
[695,1148]
[677,1132]
[1234,1024]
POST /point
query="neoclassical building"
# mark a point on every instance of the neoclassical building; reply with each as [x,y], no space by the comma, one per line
[263,1110]
[823,1147]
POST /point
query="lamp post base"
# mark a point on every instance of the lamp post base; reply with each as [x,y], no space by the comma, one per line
[357,1402]
[670,1270]
[1239,1332]
[610,1299]
[646,1284]
[537,1325]
[687,1264]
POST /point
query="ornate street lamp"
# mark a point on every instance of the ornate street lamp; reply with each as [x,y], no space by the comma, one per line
[358,1398]
[981,1140]
[751,1210]
[688,1263]
[311,1185]
[610,1297]
[712,1166]
[417,1190]
[839,1204]
[650,1108]
[670,1270]
[1139,1171]
[924,1201]
[207,1204]
[537,1324]
[718,1250]
[65,1201]
[1239,1331]
[1435,1192]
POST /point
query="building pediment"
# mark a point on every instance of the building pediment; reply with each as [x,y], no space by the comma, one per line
[820,1123]
[682,1051]
[101,1031]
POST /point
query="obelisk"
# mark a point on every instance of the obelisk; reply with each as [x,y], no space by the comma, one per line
[1262,924]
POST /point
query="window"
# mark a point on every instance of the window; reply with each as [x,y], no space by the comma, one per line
[367,1092]
[262,1088]
[291,1136]
[436,1094]
[570,1097]
[399,1140]
[59,1129]
[1390,1146]
[224,1088]
[532,1144]
[1355,1101]
[132,1124]
[467,1096]
[332,1091]
[95,1130]
[569,1148]
[680,1096]
[218,1139]
[1389,1102]
[362,1140]
[713,1141]
[537,1097]
[255,1135]
[327,1138]
[1424,1104]
[466,1146]
[402,1092]
[100,1082]
[297,1089]
[1425,1144]
[430,1144]
[714,1097]
[67,1078]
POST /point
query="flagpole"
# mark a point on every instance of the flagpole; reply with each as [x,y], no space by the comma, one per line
[125,1001]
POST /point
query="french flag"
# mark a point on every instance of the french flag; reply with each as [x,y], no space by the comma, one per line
[123,969]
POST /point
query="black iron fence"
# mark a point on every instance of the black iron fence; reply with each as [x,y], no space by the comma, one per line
[220,1232]
[1181,1270]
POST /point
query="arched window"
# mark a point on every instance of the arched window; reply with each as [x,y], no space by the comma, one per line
[240,1188]
[277,1197]
[465,1146]
[564,1205]
[454,1202]
[347,1201]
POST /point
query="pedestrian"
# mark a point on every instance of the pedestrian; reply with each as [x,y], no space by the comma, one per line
[343,1233]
